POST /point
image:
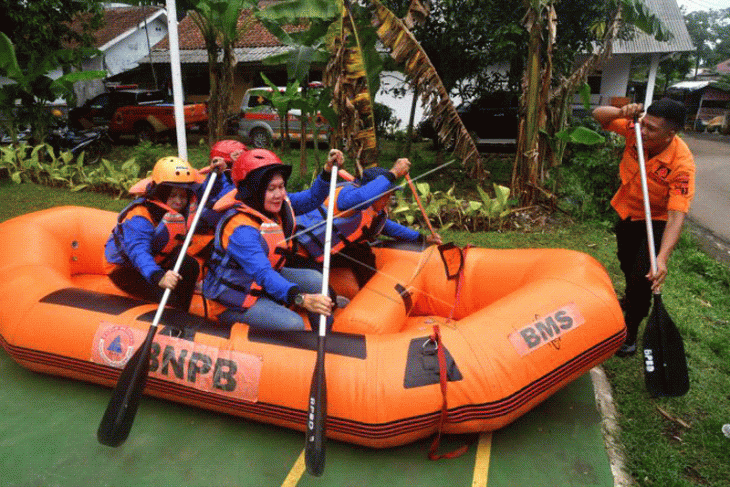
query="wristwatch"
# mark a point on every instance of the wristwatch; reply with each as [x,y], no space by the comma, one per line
[299,299]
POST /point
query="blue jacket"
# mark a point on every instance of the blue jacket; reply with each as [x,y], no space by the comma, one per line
[247,253]
[352,218]
[144,230]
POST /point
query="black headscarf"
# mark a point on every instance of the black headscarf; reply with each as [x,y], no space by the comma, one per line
[252,188]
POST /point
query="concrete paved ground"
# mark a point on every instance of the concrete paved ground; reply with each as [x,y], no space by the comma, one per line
[710,211]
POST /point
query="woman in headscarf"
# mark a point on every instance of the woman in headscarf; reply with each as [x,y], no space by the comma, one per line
[248,272]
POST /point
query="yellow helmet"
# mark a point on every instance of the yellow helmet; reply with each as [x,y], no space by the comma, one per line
[172,169]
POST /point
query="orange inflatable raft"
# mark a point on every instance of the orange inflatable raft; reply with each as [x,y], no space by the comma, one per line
[526,323]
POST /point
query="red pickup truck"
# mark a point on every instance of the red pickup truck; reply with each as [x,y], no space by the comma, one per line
[155,122]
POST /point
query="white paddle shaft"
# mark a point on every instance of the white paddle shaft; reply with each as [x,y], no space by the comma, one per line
[645,193]
[185,245]
[328,246]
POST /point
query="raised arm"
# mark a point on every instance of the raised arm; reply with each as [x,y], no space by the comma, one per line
[606,114]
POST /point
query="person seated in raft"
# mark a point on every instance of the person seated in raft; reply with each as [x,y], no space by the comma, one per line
[222,154]
[227,150]
[247,272]
[143,247]
[361,211]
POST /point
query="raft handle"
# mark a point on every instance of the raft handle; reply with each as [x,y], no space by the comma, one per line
[435,346]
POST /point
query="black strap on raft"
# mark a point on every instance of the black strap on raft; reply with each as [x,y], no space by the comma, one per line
[405,296]
[453,258]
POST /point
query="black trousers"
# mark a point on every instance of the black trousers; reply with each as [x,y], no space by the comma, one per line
[130,280]
[358,257]
[633,255]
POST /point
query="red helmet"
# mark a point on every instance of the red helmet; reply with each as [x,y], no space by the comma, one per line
[224,149]
[254,159]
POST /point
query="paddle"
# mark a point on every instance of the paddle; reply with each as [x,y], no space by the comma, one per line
[420,205]
[665,364]
[119,415]
[314,446]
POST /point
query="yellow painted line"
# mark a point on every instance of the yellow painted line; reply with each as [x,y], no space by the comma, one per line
[295,473]
[481,463]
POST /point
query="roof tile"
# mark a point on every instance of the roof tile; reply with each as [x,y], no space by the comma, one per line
[117,21]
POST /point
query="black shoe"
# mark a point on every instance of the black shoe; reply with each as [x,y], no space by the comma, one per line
[626,350]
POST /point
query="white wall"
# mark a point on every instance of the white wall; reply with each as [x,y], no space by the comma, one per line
[124,55]
[120,56]
[400,105]
[615,77]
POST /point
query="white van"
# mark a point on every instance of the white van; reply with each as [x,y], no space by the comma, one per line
[259,122]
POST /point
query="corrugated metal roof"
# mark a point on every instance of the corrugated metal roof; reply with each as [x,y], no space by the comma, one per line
[243,55]
[690,85]
[668,12]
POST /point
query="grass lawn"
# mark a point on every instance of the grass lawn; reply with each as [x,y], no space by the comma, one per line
[667,441]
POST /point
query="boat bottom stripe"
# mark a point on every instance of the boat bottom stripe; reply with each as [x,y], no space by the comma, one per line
[70,367]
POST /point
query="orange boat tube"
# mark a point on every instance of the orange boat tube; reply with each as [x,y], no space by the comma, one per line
[515,326]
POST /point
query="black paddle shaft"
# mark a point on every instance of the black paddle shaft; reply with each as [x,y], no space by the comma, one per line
[314,449]
[665,363]
[122,408]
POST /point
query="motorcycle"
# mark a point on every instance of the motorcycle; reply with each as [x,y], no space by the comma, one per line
[93,142]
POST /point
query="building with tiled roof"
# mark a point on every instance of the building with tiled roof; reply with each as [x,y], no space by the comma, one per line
[723,67]
[252,48]
[126,37]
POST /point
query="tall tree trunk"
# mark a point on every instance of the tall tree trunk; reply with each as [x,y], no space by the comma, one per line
[411,116]
[226,90]
[214,102]
[524,174]
[303,146]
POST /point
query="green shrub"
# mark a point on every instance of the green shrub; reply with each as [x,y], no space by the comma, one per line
[449,211]
[589,177]
[40,164]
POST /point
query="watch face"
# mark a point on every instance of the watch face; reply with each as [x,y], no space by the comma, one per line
[299,299]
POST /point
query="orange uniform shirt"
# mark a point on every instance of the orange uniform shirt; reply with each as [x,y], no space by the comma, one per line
[670,177]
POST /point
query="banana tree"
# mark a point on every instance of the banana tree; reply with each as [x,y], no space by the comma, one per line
[545,107]
[314,105]
[221,24]
[354,67]
[305,47]
[34,89]
[352,73]
[282,101]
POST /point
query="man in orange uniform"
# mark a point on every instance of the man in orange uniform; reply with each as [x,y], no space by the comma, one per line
[671,180]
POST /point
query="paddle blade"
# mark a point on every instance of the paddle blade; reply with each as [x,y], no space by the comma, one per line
[314,448]
[665,363]
[122,408]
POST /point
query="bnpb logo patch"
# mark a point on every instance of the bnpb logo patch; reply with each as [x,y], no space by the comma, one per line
[203,367]
[113,345]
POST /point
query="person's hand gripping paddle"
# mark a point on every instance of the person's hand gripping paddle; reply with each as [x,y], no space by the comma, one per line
[314,446]
[119,415]
[665,364]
